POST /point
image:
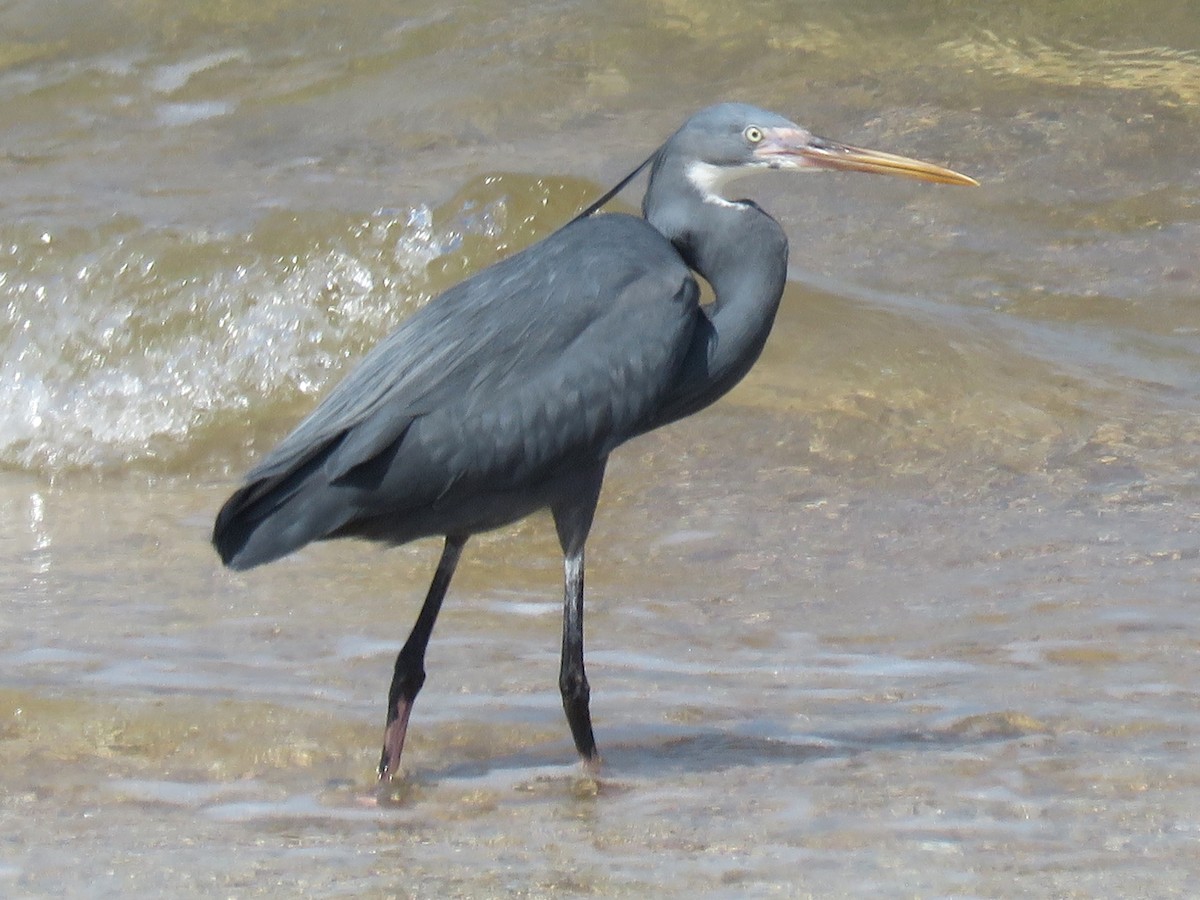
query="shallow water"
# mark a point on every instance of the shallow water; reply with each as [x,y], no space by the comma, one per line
[909,613]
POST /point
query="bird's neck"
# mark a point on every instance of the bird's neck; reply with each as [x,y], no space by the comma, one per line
[742,253]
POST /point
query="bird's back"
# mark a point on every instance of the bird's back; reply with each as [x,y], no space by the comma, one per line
[481,402]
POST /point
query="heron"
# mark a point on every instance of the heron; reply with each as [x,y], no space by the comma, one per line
[506,394]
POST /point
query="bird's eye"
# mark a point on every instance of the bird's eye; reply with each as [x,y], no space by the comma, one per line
[753,134]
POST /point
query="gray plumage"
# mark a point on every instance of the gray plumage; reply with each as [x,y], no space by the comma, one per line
[454,419]
[507,393]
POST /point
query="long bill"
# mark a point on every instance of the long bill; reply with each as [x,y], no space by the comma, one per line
[795,148]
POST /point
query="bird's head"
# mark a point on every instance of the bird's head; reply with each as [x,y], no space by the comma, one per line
[728,140]
[725,141]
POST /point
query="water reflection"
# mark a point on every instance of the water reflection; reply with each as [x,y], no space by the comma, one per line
[40,556]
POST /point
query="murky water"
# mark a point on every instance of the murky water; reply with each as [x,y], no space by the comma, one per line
[909,614]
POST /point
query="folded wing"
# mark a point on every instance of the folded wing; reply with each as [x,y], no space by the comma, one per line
[545,360]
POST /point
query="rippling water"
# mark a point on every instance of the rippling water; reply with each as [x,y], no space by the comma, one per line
[910,612]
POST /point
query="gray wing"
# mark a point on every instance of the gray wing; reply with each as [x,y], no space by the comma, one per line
[562,350]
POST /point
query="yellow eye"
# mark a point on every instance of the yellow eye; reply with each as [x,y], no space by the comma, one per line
[753,134]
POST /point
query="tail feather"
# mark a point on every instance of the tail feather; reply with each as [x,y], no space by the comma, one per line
[270,517]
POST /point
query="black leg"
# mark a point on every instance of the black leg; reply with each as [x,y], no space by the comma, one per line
[410,664]
[572,679]
[573,519]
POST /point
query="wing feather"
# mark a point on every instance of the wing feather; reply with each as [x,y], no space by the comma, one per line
[563,349]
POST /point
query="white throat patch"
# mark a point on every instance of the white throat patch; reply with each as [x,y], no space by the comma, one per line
[709,180]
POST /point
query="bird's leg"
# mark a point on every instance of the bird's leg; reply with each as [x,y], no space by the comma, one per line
[410,664]
[572,679]
[573,520]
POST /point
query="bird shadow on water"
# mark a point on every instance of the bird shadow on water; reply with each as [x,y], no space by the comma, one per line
[654,756]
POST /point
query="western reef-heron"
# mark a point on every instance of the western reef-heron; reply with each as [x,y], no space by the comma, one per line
[506,394]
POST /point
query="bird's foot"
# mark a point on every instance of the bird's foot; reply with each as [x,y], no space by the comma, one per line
[587,785]
[591,764]
[393,740]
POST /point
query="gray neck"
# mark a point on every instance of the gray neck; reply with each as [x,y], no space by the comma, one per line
[739,250]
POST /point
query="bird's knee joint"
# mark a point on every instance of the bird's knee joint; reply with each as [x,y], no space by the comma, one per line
[407,684]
